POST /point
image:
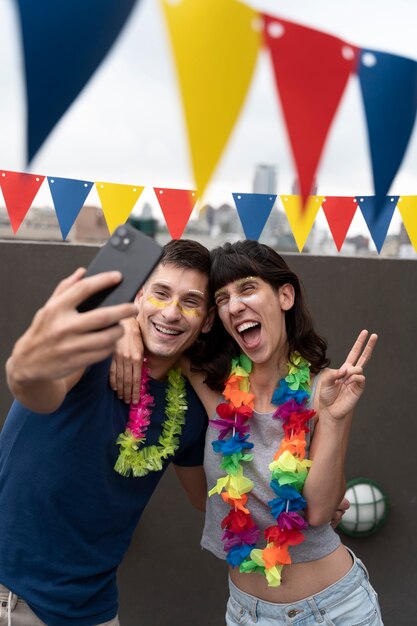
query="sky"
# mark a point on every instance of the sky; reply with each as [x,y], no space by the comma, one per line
[127,125]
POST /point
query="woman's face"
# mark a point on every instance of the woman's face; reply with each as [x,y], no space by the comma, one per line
[253,313]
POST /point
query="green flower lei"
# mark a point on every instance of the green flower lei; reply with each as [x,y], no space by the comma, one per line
[140,460]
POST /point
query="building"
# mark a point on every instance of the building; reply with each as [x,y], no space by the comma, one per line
[265,180]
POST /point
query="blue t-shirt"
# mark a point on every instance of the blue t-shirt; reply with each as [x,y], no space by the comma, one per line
[66,517]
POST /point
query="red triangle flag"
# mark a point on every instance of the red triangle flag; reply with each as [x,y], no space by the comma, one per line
[19,191]
[177,206]
[339,212]
[311,71]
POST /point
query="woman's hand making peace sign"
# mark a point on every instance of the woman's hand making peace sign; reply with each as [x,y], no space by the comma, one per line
[341,389]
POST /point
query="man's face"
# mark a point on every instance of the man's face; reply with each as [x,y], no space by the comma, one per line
[173,310]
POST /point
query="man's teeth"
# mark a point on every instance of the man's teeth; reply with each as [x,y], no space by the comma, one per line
[246,325]
[166,331]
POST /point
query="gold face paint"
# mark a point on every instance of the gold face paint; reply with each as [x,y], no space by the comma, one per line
[190,312]
[239,283]
[242,281]
[166,303]
[158,303]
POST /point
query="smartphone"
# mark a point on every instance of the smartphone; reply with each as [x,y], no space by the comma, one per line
[132,253]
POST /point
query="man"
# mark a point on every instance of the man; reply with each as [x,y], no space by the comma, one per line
[67,516]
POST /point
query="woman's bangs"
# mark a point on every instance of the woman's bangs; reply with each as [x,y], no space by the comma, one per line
[226,268]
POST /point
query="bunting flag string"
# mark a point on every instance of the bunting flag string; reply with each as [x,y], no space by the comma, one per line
[311,71]
[216,45]
[118,201]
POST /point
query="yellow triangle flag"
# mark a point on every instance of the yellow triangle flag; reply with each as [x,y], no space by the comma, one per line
[215,45]
[301,218]
[117,202]
[407,206]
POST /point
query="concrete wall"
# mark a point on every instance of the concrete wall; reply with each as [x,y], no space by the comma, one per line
[345,296]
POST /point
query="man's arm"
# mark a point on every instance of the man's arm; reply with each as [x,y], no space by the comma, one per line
[51,356]
[193,480]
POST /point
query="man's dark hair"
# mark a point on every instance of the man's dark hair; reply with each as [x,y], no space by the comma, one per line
[187,254]
[251,258]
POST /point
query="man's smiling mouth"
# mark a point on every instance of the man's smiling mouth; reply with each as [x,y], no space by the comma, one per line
[166,331]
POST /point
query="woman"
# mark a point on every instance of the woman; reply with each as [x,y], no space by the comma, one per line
[275,451]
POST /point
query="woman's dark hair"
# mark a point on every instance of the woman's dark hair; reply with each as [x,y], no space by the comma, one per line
[251,258]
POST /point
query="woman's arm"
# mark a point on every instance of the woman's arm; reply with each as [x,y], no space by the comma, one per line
[337,394]
[126,365]
[193,480]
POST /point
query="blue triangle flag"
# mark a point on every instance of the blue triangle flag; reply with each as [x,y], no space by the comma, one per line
[253,210]
[63,43]
[389,91]
[68,196]
[377,216]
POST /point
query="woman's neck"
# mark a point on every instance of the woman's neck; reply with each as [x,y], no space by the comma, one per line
[263,382]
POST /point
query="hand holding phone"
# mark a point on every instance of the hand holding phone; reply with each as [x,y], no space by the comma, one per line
[132,253]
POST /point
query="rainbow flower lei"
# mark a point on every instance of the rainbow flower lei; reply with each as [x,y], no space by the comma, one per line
[141,460]
[288,469]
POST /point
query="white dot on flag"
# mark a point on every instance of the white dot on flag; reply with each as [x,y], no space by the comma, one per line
[347,53]
[257,24]
[369,59]
[276,30]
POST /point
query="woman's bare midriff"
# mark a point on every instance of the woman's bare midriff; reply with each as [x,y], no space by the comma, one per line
[299,580]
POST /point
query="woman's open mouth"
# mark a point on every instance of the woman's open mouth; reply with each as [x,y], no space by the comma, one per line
[250,333]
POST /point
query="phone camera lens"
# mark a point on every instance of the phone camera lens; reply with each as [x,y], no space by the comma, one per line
[122,231]
[116,241]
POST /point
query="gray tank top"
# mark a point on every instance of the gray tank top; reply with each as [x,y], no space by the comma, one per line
[266,435]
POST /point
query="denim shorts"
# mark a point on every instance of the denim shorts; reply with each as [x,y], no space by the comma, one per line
[351,601]
[15,612]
